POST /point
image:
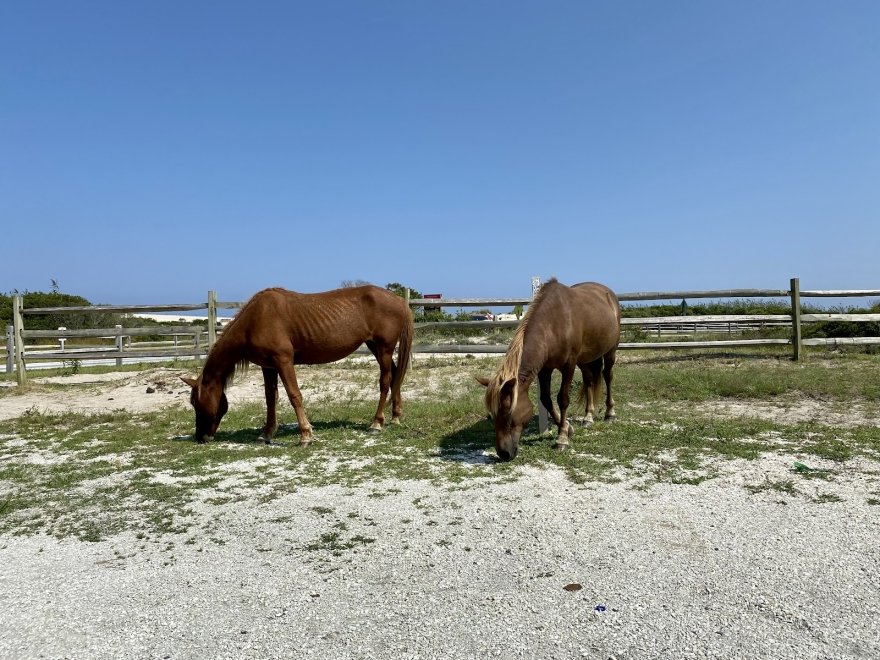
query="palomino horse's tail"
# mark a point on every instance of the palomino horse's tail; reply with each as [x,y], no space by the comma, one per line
[404,352]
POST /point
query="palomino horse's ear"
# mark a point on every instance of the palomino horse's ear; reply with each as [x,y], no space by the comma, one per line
[482,381]
[192,382]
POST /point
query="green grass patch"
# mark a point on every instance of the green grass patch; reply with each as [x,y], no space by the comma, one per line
[93,476]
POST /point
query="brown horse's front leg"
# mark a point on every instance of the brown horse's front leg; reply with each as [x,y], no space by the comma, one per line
[564,398]
[288,379]
[270,385]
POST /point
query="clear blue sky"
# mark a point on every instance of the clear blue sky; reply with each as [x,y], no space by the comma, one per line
[151,151]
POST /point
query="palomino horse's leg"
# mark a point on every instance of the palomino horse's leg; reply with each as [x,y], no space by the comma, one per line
[288,379]
[270,384]
[386,367]
[592,374]
[545,395]
[564,398]
[610,359]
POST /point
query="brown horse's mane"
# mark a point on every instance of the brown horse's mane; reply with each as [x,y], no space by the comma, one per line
[509,368]
[229,372]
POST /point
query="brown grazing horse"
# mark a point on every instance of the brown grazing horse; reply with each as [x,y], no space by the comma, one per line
[277,329]
[564,327]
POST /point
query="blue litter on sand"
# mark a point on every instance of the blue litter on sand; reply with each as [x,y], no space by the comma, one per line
[600,608]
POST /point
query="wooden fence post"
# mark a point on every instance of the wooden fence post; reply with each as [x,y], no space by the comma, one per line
[796,337]
[406,295]
[10,349]
[212,318]
[18,337]
[119,344]
[543,414]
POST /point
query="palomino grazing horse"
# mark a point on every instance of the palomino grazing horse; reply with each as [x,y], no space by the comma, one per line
[564,327]
[277,329]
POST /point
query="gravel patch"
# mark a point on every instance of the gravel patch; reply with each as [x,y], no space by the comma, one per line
[427,571]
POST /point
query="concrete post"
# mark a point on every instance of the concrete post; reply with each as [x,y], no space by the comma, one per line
[543,413]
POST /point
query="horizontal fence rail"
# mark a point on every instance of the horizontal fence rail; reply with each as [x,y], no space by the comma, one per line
[194,341]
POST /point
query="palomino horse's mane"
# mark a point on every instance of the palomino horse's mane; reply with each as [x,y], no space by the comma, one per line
[509,369]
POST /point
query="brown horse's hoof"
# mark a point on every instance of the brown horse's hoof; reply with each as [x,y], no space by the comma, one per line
[610,418]
[375,429]
[560,446]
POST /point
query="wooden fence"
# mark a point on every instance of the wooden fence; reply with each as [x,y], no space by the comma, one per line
[196,340]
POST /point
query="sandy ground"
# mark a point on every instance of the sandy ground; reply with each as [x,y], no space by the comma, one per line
[538,567]
[156,388]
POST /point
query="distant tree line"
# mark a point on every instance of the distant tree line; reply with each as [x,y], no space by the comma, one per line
[53,321]
[73,320]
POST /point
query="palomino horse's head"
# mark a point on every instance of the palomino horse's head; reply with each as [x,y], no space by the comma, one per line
[210,405]
[511,411]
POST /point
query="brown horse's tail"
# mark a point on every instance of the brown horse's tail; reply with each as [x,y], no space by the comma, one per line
[404,352]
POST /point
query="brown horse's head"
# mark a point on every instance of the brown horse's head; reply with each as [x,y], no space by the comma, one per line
[210,405]
[511,411]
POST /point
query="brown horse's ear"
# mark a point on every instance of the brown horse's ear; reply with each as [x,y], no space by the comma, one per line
[482,381]
[192,382]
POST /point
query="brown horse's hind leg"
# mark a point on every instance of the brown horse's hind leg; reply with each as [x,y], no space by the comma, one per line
[386,368]
[607,372]
[270,384]
[288,379]
[396,398]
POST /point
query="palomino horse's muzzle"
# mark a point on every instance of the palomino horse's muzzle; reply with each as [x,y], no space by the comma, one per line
[506,455]
[507,447]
